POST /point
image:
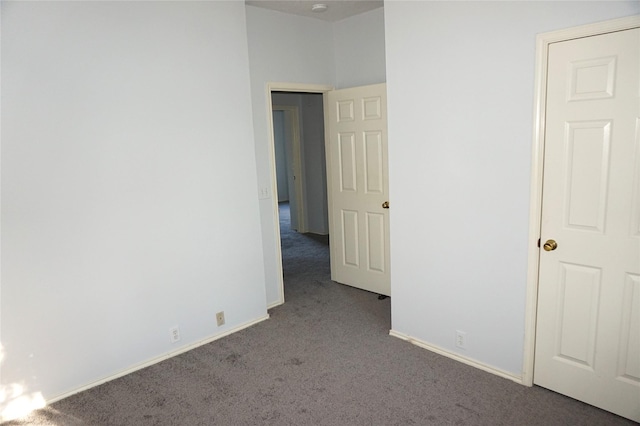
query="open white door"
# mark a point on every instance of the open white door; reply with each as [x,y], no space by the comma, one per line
[358,186]
[588,320]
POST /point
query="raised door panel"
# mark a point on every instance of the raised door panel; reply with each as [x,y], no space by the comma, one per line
[635,192]
[629,361]
[375,243]
[347,162]
[577,314]
[591,79]
[350,238]
[373,162]
[587,172]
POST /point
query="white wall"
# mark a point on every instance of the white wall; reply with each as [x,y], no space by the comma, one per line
[280,150]
[359,49]
[315,172]
[460,98]
[292,100]
[282,48]
[121,124]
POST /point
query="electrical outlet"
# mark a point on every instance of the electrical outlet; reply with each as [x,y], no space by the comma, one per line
[461,339]
[174,334]
[220,318]
[263,192]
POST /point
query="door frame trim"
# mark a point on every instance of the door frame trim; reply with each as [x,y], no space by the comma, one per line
[285,87]
[537,168]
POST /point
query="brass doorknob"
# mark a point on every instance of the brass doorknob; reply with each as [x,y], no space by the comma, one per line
[550,245]
[385,205]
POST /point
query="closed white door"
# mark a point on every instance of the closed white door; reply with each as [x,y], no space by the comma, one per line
[358,184]
[588,320]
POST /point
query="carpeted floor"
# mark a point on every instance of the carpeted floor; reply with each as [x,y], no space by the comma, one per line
[324,358]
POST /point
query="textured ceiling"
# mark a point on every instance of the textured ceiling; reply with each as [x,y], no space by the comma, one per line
[337,9]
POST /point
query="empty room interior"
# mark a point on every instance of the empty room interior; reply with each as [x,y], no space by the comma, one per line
[141,219]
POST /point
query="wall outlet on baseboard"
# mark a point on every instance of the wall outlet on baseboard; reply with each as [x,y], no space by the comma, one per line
[461,339]
[174,334]
[220,318]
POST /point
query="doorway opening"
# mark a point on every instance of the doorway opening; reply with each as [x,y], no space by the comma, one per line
[300,198]
[299,149]
[347,159]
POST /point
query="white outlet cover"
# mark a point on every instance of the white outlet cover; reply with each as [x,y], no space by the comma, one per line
[461,339]
[264,192]
[220,318]
[174,334]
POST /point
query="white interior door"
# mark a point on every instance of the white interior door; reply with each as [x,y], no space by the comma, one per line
[588,320]
[358,185]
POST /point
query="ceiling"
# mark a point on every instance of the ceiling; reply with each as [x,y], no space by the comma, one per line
[336,9]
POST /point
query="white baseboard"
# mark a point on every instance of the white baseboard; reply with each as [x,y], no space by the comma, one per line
[457,357]
[157,359]
[276,303]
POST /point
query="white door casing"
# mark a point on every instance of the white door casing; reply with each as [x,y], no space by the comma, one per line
[588,307]
[358,186]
